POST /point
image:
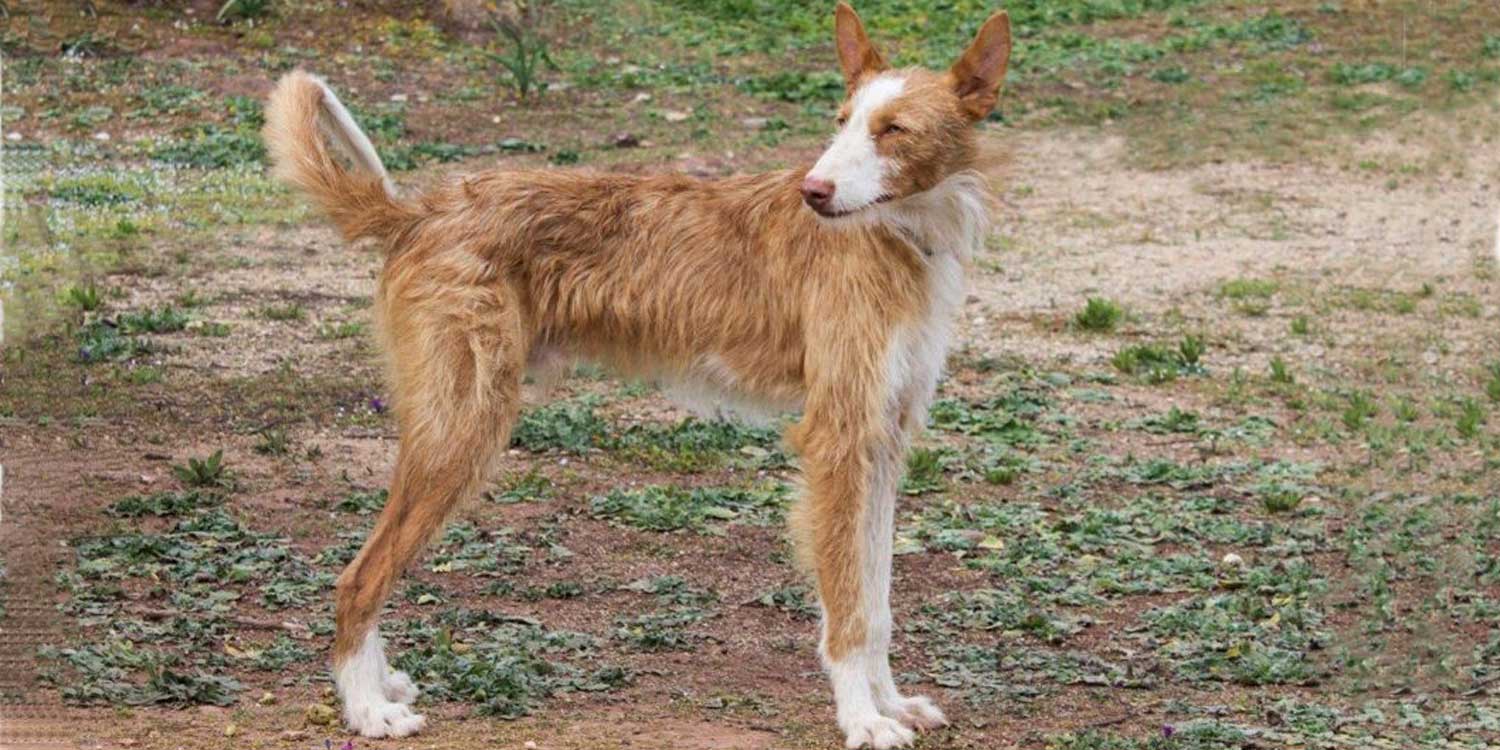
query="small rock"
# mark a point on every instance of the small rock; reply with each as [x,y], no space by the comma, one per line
[321,715]
[231,729]
[101,136]
[398,97]
[529,745]
[676,115]
[754,123]
[1311,500]
[495,119]
[641,98]
[267,698]
[625,140]
[12,136]
[1232,560]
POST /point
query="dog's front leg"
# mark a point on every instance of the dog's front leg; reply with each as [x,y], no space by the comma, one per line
[844,525]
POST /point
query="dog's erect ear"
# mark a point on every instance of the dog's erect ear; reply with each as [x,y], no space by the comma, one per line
[977,75]
[856,56]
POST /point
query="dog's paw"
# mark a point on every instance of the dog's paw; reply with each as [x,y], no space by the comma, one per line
[878,732]
[378,719]
[399,688]
[919,712]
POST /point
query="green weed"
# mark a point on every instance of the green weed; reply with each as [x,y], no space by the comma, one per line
[1099,315]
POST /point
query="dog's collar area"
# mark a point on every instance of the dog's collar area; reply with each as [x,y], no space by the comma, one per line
[911,239]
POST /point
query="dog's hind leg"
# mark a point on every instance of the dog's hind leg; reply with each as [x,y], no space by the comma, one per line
[457,362]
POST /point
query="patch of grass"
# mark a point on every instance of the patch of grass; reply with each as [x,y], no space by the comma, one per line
[1248,636]
[119,673]
[101,342]
[273,442]
[289,312]
[702,509]
[163,504]
[696,445]
[924,471]
[1244,288]
[211,146]
[501,666]
[341,331]
[479,552]
[1281,372]
[165,319]
[995,609]
[659,631]
[1156,363]
[1471,416]
[566,426]
[797,600]
[362,502]
[1099,315]
[1359,410]
[205,472]
[525,488]
[85,298]
[525,52]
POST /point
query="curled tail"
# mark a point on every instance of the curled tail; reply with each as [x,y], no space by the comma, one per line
[361,202]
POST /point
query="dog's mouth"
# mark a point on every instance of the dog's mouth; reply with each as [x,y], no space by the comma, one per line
[879,199]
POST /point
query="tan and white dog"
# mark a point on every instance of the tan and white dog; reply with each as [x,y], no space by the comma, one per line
[829,290]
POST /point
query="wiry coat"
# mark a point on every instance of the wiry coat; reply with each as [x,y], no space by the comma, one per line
[731,286]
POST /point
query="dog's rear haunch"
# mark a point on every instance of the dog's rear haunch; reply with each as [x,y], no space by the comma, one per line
[829,290]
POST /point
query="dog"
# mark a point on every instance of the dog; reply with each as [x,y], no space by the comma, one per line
[828,290]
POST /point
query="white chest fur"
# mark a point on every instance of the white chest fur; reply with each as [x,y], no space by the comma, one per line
[947,225]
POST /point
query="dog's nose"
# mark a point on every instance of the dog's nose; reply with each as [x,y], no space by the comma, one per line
[817,192]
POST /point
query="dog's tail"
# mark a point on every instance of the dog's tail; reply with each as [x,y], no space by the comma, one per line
[361,202]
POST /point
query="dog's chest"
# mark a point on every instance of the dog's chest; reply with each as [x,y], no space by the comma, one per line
[919,349]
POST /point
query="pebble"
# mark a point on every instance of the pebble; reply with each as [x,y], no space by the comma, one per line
[398,97]
[754,123]
[676,116]
[1233,559]
[13,136]
[101,136]
[641,98]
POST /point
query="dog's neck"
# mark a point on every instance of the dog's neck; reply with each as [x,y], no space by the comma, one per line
[951,218]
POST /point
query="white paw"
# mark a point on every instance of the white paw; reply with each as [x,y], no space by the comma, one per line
[919,712]
[878,732]
[399,688]
[377,719]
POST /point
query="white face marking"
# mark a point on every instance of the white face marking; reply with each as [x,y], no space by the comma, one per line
[857,172]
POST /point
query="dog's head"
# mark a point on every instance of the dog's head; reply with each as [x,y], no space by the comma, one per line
[902,132]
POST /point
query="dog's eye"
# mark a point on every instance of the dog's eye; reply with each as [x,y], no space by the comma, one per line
[841,120]
[892,128]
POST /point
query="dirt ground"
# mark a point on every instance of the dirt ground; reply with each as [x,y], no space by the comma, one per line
[1305,561]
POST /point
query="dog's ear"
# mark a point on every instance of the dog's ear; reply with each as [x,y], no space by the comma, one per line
[977,75]
[856,56]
